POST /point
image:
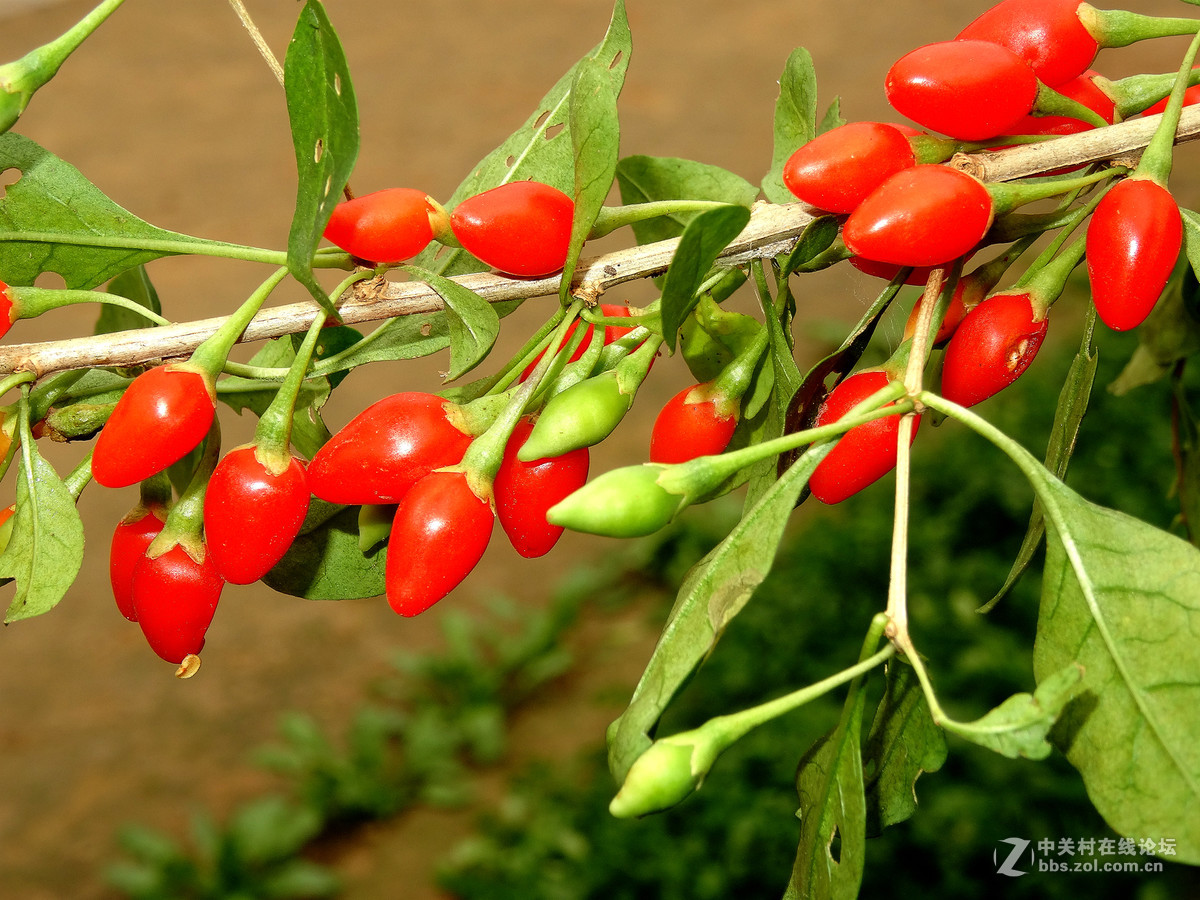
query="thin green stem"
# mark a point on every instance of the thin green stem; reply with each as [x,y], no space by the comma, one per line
[179,246]
[213,353]
[613,217]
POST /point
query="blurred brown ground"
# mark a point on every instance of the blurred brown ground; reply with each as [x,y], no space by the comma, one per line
[170,111]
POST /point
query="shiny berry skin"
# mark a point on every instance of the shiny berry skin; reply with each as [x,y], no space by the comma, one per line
[524,491]
[162,416]
[522,228]
[923,216]
[1133,241]
[252,515]
[688,426]
[991,347]
[1190,98]
[175,598]
[970,90]
[386,449]
[838,169]
[1047,34]
[384,227]
[865,453]
[611,333]
[130,539]
[8,310]
[438,535]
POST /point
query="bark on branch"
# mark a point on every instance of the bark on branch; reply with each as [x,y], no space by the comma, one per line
[772,231]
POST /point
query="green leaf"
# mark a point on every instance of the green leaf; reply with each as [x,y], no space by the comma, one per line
[817,237]
[713,593]
[596,144]
[1019,726]
[1122,599]
[904,743]
[795,120]
[540,149]
[474,323]
[833,117]
[54,201]
[326,564]
[324,121]
[1073,402]
[645,179]
[710,338]
[404,337]
[703,240]
[833,816]
[1188,440]
[133,284]
[45,550]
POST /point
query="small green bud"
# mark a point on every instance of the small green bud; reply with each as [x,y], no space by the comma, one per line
[669,771]
[582,415]
[626,502]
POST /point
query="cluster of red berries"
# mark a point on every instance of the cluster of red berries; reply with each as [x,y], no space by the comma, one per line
[1022,68]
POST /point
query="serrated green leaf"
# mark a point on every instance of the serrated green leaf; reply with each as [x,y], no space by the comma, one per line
[45,549]
[703,240]
[644,179]
[541,149]
[326,563]
[596,144]
[1019,726]
[795,120]
[324,120]
[50,205]
[134,285]
[713,593]
[904,743]
[832,809]
[473,323]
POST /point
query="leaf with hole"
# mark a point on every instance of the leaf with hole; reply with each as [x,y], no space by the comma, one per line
[54,220]
[904,743]
[541,149]
[324,120]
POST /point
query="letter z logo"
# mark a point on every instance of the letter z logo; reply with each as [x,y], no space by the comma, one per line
[1007,867]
